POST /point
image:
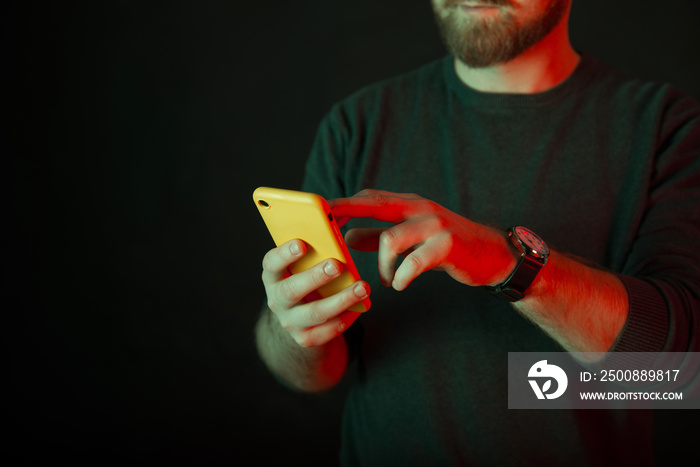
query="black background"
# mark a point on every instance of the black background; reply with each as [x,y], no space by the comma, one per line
[133,136]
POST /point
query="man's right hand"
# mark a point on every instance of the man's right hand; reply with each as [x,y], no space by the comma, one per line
[309,319]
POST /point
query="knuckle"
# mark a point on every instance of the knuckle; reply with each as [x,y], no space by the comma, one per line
[286,325]
[319,276]
[443,225]
[413,262]
[448,241]
[267,261]
[379,199]
[273,305]
[431,206]
[288,291]
[283,321]
[387,239]
[304,340]
[340,327]
[316,315]
[344,300]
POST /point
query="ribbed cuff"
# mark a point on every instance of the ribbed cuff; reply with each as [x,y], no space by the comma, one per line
[647,325]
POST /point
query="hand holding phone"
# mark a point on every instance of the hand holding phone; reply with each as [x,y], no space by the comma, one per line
[292,215]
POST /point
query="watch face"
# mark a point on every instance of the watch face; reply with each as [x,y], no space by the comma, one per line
[532,242]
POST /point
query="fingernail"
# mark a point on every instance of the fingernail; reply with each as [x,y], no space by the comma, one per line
[331,269]
[360,291]
[294,249]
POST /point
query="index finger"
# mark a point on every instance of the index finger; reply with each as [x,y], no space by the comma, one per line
[379,205]
[277,260]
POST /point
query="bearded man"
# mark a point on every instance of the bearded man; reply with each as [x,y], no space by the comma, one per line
[596,174]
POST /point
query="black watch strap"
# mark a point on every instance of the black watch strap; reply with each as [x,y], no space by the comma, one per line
[531,261]
[514,287]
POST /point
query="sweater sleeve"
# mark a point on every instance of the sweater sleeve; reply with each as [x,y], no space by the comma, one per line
[662,274]
[647,322]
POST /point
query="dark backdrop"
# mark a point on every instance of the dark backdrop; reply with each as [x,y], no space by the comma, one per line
[133,135]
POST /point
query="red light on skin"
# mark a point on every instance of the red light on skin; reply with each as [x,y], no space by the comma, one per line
[429,236]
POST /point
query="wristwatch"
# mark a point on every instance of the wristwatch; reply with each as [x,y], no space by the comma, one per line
[533,255]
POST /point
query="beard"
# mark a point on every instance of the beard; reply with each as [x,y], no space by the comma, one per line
[482,42]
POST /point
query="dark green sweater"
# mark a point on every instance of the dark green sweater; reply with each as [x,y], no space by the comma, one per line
[602,166]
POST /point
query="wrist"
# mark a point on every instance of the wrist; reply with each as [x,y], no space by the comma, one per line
[532,254]
[508,256]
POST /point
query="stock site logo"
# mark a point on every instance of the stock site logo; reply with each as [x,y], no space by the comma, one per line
[545,373]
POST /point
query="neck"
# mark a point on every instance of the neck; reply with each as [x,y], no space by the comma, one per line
[541,67]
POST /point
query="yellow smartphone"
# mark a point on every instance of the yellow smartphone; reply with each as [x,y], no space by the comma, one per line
[290,214]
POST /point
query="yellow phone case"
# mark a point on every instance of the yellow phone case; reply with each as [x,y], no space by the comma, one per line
[290,214]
